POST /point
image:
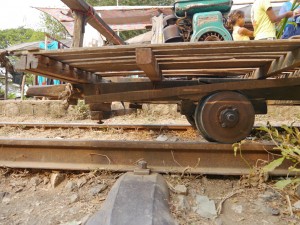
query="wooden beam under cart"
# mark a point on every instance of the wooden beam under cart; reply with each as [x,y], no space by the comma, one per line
[48,67]
[192,91]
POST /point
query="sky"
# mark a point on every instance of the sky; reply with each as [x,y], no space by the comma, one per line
[16,13]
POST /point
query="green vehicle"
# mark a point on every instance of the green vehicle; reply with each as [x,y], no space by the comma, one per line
[194,21]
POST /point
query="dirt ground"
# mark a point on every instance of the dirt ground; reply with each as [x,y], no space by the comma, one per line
[34,197]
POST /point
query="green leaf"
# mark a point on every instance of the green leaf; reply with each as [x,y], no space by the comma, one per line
[283,183]
[287,129]
[273,165]
[293,169]
[264,129]
[236,147]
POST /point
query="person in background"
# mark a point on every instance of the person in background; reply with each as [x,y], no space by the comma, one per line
[293,26]
[264,18]
[236,22]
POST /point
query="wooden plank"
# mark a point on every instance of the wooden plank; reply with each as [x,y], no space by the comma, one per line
[212,47]
[126,65]
[133,85]
[67,57]
[291,60]
[238,63]
[126,59]
[185,72]
[185,92]
[94,20]
[146,61]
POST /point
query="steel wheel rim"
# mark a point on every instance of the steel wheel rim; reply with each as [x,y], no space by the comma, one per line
[234,126]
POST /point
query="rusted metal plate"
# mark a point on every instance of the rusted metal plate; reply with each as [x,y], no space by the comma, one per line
[195,157]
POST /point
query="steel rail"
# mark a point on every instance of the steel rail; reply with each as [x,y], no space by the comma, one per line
[163,157]
[25,125]
[96,126]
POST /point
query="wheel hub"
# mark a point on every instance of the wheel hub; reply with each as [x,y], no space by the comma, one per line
[229,117]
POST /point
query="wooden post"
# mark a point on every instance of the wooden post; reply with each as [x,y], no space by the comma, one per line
[78,29]
[22,86]
[6,84]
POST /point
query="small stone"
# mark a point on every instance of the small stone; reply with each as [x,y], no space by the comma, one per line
[275,212]
[70,186]
[218,221]
[268,196]
[237,208]
[151,131]
[181,189]
[82,181]
[173,139]
[3,195]
[182,203]
[56,179]
[19,189]
[6,200]
[97,189]
[162,138]
[35,181]
[74,198]
[46,180]
[85,219]
[205,207]
[28,211]
[74,222]
[297,204]
[297,191]
[17,184]
[204,180]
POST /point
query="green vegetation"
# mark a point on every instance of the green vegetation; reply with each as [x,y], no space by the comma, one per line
[284,22]
[19,35]
[288,143]
[53,27]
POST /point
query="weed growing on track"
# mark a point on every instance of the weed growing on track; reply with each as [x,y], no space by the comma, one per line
[80,111]
[288,143]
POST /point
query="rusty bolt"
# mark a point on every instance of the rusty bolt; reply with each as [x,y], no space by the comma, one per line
[142,164]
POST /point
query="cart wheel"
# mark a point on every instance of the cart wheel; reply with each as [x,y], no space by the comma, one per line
[225,117]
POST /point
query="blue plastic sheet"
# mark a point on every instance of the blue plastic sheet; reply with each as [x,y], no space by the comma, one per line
[50,46]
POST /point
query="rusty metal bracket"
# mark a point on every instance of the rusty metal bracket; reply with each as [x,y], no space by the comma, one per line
[142,168]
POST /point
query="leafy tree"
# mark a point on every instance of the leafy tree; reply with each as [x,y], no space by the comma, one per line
[19,35]
[53,27]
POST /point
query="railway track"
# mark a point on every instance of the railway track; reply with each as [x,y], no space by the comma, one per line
[25,125]
[96,126]
[163,157]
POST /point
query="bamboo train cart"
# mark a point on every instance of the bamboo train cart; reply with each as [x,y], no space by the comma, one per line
[218,86]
